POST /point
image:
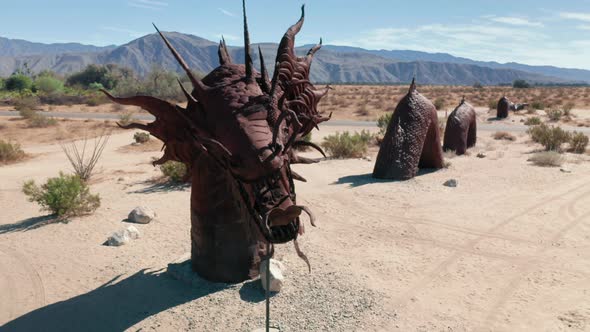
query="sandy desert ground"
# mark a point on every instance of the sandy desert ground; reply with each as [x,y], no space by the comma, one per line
[506,250]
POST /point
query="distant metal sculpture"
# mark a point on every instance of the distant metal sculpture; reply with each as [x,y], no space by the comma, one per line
[412,139]
[518,107]
[237,135]
[461,129]
[503,108]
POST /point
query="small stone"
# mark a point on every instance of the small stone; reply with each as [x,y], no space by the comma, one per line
[141,215]
[118,238]
[481,155]
[450,183]
[367,158]
[565,170]
[271,329]
[276,275]
[132,232]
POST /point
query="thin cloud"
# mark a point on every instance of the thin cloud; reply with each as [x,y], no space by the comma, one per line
[516,21]
[584,27]
[131,33]
[226,12]
[575,16]
[148,4]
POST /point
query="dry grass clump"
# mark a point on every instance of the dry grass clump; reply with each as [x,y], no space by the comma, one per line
[547,159]
[533,121]
[10,152]
[578,142]
[175,171]
[347,145]
[503,135]
[554,115]
[141,137]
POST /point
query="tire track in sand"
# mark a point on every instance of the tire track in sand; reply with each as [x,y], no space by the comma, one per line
[22,288]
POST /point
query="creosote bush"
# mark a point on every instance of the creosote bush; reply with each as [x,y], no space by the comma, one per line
[439,103]
[40,121]
[174,170]
[554,115]
[578,142]
[503,135]
[550,137]
[64,196]
[125,118]
[26,106]
[547,159]
[10,151]
[346,145]
[383,122]
[141,137]
[533,121]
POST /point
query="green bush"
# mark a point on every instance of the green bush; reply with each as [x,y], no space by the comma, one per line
[520,84]
[64,196]
[538,105]
[578,142]
[18,82]
[141,137]
[346,145]
[174,170]
[96,99]
[10,151]
[383,123]
[48,84]
[439,103]
[547,159]
[533,121]
[554,115]
[93,74]
[550,137]
[40,121]
[26,106]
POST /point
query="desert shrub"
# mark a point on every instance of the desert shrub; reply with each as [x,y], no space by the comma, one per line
[96,99]
[26,106]
[346,145]
[550,137]
[533,121]
[492,104]
[520,84]
[18,82]
[477,85]
[48,84]
[503,135]
[141,137]
[174,170]
[64,196]
[125,118]
[547,159]
[439,103]
[538,105]
[40,121]
[554,115]
[567,109]
[578,142]
[383,123]
[10,151]
[83,167]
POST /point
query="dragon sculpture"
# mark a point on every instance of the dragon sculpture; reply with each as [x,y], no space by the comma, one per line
[412,139]
[237,136]
[461,129]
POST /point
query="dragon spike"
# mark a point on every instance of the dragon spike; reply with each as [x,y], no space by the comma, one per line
[314,49]
[263,72]
[224,57]
[275,81]
[248,58]
[198,85]
[413,85]
[189,97]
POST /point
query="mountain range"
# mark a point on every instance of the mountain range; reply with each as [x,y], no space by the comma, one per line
[332,64]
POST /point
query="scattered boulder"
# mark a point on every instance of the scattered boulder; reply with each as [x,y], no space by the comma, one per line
[451,183]
[122,237]
[276,275]
[141,215]
[481,155]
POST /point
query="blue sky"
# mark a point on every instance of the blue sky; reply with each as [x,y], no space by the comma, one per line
[541,32]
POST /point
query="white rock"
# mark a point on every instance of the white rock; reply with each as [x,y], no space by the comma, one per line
[132,232]
[118,238]
[451,183]
[141,215]
[276,275]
